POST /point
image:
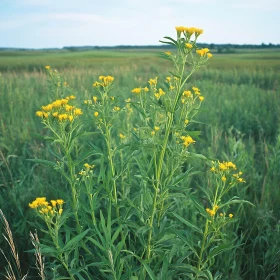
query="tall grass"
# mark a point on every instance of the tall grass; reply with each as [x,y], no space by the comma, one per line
[239,120]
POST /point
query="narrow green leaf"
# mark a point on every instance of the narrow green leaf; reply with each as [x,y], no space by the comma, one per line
[150,272]
[42,161]
[96,243]
[221,248]
[187,223]
[74,241]
[169,43]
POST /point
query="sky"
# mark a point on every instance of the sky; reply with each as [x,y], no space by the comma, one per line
[59,23]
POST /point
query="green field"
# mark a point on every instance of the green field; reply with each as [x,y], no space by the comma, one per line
[239,121]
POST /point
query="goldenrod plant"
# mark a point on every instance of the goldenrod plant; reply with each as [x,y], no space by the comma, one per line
[130,212]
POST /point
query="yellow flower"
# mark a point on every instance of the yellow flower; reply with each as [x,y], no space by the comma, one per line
[210,212]
[202,52]
[96,114]
[188,140]
[60,211]
[188,45]
[186,121]
[53,202]
[122,136]
[78,112]
[69,108]
[224,178]
[40,114]
[209,55]
[55,114]
[241,180]
[136,90]
[57,103]
[60,201]
[153,82]
[107,80]
[187,93]
[223,166]
[156,128]
[230,215]
[47,67]
[70,97]
[179,28]
[145,89]
[116,108]
[231,165]
[88,166]
[213,169]
[168,53]
[62,117]
[70,118]
[94,99]
[153,132]
[96,84]
[198,31]
[48,107]
[168,79]
[221,214]
[201,98]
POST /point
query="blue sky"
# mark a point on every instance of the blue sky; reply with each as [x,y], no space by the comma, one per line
[58,23]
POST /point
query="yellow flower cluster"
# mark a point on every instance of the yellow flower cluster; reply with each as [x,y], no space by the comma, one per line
[188,31]
[60,109]
[226,165]
[203,52]
[189,94]
[172,82]
[138,90]
[105,81]
[47,208]
[187,140]
[213,211]
[116,109]
[224,168]
[122,136]
[237,176]
[159,94]
[153,82]
[88,166]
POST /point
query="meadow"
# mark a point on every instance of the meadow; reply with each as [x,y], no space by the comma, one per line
[238,121]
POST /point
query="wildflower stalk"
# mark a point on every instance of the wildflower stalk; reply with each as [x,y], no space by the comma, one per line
[159,165]
[204,237]
[54,236]
[112,168]
[73,188]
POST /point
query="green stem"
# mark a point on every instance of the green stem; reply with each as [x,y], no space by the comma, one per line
[170,117]
[73,188]
[205,233]
[54,236]
[112,168]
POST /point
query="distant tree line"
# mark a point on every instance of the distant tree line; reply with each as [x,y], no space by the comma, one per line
[221,48]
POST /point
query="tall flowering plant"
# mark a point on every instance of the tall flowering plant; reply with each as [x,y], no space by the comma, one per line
[130,213]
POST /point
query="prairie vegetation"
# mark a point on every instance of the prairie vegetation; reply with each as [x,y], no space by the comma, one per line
[154,178]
